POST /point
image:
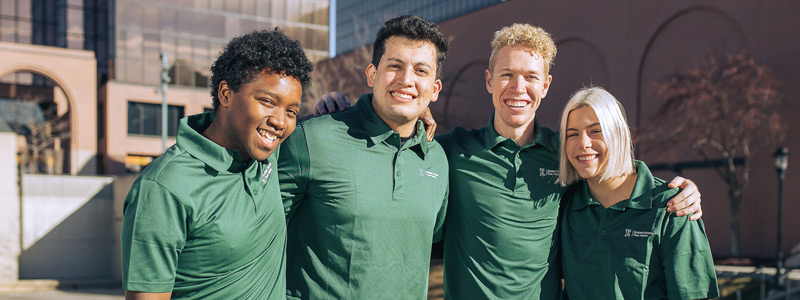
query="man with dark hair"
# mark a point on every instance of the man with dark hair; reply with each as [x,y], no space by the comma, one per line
[205,220]
[364,191]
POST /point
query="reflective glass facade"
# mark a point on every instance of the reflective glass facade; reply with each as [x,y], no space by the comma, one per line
[193,32]
[358,21]
[73,24]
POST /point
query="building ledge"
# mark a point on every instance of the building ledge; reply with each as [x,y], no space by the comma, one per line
[46,50]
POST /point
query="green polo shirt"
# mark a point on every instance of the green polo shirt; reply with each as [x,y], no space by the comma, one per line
[202,224]
[500,233]
[362,207]
[634,249]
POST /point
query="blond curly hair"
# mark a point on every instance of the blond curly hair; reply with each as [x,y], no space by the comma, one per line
[528,36]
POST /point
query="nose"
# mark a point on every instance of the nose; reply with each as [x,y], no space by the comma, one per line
[406,76]
[516,85]
[277,121]
[586,141]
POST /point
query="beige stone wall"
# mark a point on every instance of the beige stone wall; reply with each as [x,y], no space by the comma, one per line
[75,71]
[117,144]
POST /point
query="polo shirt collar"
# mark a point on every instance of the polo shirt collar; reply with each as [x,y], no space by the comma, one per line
[378,131]
[641,196]
[492,138]
[212,154]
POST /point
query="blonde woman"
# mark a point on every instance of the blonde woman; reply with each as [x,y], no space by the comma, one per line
[618,240]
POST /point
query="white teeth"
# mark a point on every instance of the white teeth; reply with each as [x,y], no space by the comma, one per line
[401,95]
[267,135]
[589,157]
[513,103]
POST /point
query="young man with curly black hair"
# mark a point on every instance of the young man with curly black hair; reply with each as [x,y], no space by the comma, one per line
[365,191]
[205,220]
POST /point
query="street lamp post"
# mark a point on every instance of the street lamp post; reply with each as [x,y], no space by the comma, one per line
[781,162]
[163,90]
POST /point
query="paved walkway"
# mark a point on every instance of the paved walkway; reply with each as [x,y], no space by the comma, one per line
[67,294]
[434,292]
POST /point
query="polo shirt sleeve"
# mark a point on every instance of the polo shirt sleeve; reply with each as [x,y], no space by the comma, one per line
[446,141]
[154,230]
[293,166]
[687,261]
[438,231]
[555,140]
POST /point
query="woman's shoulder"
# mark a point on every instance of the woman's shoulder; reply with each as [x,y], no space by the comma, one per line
[662,193]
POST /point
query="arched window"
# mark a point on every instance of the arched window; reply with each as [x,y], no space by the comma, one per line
[36,109]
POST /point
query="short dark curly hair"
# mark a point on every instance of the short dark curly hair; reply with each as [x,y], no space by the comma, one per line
[262,50]
[413,28]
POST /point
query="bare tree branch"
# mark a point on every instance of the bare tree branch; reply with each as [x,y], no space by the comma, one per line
[719,110]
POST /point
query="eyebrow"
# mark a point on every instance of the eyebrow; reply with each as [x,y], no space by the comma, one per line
[403,62]
[395,60]
[268,92]
[273,95]
[523,71]
[590,125]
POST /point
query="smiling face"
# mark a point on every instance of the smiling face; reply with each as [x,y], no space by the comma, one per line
[261,114]
[585,147]
[517,82]
[404,82]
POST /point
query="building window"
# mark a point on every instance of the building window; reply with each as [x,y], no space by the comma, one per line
[145,118]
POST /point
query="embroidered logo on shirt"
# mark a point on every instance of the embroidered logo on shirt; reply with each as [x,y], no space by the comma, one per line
[545,172]
[630,233]
[267,172]
[427,173]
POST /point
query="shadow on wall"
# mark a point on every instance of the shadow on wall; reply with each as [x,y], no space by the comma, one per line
[89,167]
[68,230]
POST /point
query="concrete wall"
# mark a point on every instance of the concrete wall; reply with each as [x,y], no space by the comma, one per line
[625,46]
[122,184]
[9,214]
[68,228]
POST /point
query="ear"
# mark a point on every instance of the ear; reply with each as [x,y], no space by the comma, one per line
[437,87]
[224,94]
[370,71]
[546,85]
[488,75]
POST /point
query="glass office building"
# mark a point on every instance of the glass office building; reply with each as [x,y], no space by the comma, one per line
[119,108]
[192,33]
[72,24]
[357,21]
